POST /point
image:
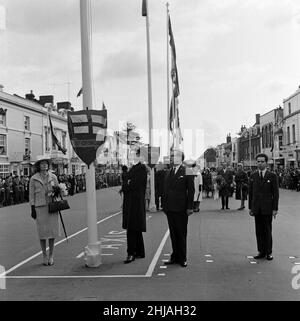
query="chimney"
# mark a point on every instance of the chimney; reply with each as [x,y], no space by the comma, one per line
[228,139]
[46,100]
[30,96]
[1,88]
[64,105]
[257,118]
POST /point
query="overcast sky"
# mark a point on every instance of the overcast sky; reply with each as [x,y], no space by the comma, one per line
[234,58]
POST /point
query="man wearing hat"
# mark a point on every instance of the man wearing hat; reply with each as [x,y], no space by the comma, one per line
[40,194]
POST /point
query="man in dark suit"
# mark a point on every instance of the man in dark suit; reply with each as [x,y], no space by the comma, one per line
[178,200]
[263,205]
[134,210]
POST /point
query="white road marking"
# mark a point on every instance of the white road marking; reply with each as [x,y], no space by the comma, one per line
[297,263]
[292,257]
[82,254]
[161,274]
[207,255]
[253,262]
[61,241]
[157,254]
[162,267]
[249,257]
[209,261]
[167,254]
[165,260]
[73,276]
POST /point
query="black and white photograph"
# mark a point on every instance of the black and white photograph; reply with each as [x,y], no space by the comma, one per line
[149,153]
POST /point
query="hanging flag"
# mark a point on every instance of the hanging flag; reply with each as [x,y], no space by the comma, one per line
[144,8]
[79,92]
[55,140]
[174,72]
[174,123]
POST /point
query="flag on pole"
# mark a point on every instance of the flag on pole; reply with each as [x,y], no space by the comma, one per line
[79,92]
[174,72]
[103,106]
[55,140]
[144,8]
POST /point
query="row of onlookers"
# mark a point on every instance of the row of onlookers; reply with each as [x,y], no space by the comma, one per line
[15,189]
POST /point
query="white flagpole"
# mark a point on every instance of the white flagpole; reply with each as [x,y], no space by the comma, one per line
[93,249]
[168,85]
[152,206]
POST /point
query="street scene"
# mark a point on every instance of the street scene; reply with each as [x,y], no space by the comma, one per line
[221,246]
[149,151]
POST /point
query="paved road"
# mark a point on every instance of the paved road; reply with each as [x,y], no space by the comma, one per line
[220,246]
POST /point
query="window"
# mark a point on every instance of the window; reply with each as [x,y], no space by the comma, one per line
[290,108]
[2,120]
[64,139]
[280,141]
[47,147]
[26,123]
[4,170]
[288,136]
[294,134]
[2,144]
[27,146]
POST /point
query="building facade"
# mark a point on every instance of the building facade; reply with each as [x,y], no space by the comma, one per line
[25,134]
[249,144]
[291,130]
[271,137]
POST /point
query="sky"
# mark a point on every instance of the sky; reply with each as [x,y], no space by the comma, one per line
[234,59]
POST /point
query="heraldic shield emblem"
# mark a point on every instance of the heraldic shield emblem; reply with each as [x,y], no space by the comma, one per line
[87,131]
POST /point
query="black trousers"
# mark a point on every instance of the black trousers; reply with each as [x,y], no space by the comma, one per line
[135,243]
[263,230]
[225,200]
[178,233]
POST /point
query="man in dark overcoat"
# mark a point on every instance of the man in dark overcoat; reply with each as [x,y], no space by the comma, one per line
[263,205]
[134,211]
[178,199]
[226,191]
[241,180]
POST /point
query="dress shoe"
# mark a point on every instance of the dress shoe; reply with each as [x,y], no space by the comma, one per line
[241,208]
[129,259]
[183,264]
[45,260]
[259,256]
[170,262]
[222,209]
[227,208]
[269,257]
[140,256]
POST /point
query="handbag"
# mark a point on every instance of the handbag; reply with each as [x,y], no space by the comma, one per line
[58,205]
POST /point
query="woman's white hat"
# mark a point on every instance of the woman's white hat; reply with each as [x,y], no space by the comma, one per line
[40,158]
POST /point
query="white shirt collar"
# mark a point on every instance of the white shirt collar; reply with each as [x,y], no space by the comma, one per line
[176,168]
[263,172]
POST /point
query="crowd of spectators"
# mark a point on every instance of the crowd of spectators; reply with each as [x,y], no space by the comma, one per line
[14,189]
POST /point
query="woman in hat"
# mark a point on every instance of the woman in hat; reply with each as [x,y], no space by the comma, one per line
[40,194]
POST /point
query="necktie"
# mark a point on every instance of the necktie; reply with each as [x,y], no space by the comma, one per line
[261,176]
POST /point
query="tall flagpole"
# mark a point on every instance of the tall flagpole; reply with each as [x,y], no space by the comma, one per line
[93,249]
[168,85]
[152,206]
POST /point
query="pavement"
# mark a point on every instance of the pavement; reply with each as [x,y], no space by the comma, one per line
[221,246]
